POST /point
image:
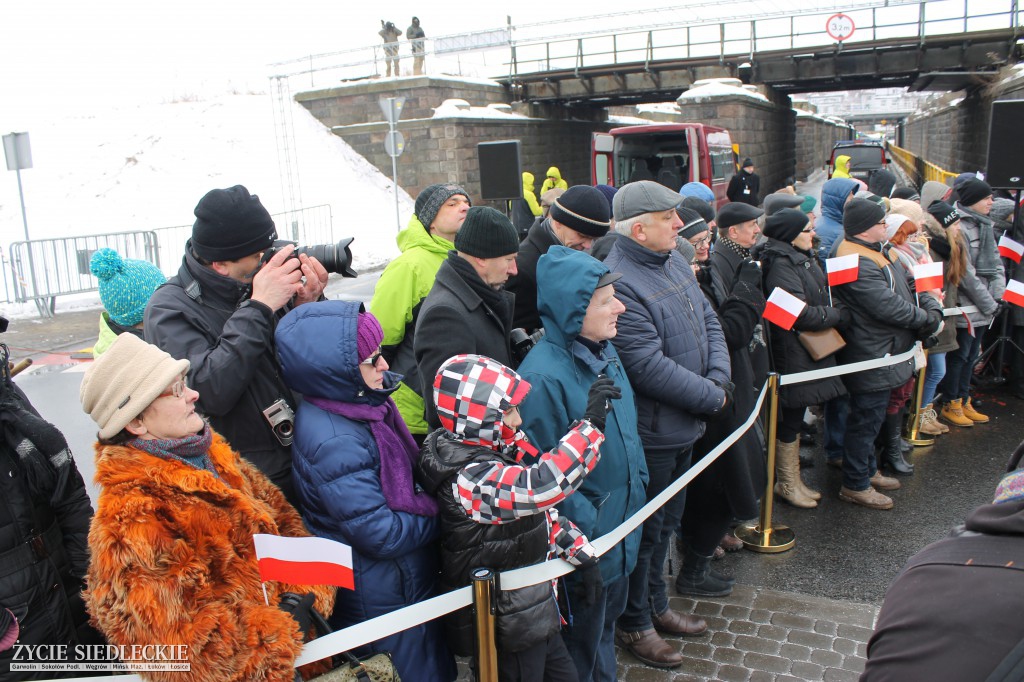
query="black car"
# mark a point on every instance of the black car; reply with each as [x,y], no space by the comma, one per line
[866,156]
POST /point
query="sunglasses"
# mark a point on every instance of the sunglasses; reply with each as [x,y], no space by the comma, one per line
[177,389]
[373,359]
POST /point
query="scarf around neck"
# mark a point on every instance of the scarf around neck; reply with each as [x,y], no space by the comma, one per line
[397,451]
[192,450]
[493,298]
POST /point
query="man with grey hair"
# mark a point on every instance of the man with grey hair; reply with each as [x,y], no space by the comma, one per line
[674,352]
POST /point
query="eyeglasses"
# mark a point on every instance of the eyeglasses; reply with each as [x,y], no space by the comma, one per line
[701,242]
[372,360]
[807,231]
[177,389]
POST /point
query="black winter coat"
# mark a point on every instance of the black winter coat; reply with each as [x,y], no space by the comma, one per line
[524,284]
[744,187]
[525,617]
[44,527]
[740,472]
[798,273]
[454,319]
[230,342]
[886,319]
[953,612]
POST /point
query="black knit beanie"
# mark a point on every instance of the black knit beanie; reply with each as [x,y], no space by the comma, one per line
[487,233]
[231,224]
[584,209]
[693,223]
[944,213]
[860,215]
[973,190]
[700,206]
[432,198]
[785,225]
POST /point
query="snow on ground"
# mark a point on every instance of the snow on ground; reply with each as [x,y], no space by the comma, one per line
[144,167]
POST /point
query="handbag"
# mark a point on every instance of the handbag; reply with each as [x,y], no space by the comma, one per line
[822,343]
[348,668]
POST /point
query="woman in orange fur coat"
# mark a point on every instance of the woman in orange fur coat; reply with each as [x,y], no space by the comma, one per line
[173,560]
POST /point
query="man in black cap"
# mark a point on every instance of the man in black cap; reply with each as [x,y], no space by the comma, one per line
[885,320]
[578,217]
[219,313]
[671,345]
[439,213]
[468,309]
[744,186]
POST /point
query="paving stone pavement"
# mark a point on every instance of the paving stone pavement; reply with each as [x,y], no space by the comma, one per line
[757,635]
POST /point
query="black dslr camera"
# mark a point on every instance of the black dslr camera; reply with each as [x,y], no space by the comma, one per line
[521,342]
[336,258]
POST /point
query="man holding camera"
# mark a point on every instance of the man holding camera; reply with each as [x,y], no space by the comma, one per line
[219,313]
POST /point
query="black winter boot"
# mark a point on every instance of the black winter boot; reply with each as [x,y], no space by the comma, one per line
[695,578]
[892,453]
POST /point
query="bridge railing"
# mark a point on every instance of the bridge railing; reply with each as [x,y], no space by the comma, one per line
[767,33]
[919,170]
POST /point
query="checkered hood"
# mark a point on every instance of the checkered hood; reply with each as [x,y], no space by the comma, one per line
[471,393]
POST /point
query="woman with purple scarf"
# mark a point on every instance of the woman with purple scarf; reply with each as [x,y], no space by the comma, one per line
[352,462]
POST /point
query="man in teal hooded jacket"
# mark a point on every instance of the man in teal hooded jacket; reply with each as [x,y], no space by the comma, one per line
[576,301]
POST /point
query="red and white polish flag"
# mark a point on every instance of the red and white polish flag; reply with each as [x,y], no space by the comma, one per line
[304,561]
[1010,249]
[783,308]
[928,276]
[842,270]
[1014,292]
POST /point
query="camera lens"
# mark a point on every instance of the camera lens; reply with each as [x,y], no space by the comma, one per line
[336,258]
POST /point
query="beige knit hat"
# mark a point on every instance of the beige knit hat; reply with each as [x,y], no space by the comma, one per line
[124,380]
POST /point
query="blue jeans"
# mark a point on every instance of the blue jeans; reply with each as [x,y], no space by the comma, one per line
[835,426]
[960,366]
[932,376]
[647,578]
[863,421]
[590,637]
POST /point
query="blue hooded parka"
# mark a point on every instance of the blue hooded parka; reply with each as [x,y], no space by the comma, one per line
[336,467]
[560,370]
[830,227]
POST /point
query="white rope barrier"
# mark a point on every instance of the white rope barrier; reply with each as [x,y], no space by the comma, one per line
[396,621]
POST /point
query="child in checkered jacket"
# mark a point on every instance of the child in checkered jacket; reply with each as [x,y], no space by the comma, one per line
[497,496]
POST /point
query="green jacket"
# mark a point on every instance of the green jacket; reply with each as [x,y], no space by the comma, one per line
[106,337]
[404,284]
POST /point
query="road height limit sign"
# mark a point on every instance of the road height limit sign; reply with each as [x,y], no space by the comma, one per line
[839,27]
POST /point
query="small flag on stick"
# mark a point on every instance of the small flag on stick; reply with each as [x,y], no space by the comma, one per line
[1014,292]
[1010,249]
[928,276]
[783,308]
[842,270]
[304,561]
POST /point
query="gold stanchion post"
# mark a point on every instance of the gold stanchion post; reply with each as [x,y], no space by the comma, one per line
[763,536]
[484,589]
[912,433]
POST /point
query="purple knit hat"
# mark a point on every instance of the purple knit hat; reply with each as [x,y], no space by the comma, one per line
[368,335]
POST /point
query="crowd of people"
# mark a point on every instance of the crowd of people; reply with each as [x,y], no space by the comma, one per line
[508,398]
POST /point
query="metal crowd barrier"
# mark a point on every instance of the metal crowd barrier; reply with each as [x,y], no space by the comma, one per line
[760,537]
[919,170]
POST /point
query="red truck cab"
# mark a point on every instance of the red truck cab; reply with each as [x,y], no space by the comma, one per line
[672,154]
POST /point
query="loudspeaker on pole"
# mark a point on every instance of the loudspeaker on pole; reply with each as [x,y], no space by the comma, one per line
[501,175]
[1006,145]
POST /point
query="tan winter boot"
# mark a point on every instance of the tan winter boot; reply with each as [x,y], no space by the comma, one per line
[953,412]
[870,498]
[930,423]
[973,414]
[787,475]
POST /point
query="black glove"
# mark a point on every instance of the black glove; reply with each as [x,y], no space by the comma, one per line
[300,607]
[602,392]
[845,318]
[588,589]
[930,342]
[750,272]
[728,387]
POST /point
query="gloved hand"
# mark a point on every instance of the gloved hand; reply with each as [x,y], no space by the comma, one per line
[728,387]
[934,323]
[750,272]
[588,589]
[602,392]
[299,606]
[845,318]
[930,342]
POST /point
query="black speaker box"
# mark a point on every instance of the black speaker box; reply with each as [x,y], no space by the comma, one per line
[1006,145]
[501,176]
